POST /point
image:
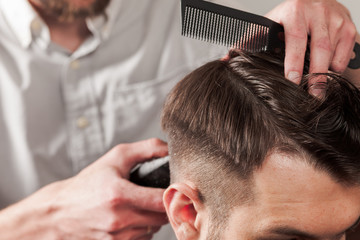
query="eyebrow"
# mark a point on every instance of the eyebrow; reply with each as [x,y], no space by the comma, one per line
[289,231]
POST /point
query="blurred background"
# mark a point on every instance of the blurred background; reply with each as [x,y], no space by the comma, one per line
[261,7]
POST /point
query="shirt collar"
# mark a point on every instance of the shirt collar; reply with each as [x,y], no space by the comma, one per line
[20,16]
[23,20]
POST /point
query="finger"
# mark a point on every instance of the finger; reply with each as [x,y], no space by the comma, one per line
[321,46]
[344,49]
[146,198]
[291,16]
[225,58]
[321,53]
[140,233]
[125,156]
[296,37]
[275,13]
[318,88]
[142,230]
[142,151]
[138,219]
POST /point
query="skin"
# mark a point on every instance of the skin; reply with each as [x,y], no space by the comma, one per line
[327,22]
[69,34]
[100,183]
[332,35]
[288,193]
[92,205]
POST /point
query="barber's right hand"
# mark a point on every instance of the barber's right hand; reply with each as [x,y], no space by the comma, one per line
[100,203]
[332,33]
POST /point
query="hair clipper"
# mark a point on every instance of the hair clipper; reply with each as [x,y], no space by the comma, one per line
[154,173]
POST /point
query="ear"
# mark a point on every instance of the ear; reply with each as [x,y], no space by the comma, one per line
[185,211]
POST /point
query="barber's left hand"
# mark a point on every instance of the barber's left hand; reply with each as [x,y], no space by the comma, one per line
[330,27]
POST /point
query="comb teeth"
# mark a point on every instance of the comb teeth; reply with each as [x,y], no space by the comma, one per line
[222,25]
[224,30]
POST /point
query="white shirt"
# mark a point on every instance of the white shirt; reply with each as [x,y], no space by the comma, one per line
[59,111]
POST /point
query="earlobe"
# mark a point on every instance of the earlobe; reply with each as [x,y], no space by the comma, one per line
[182,206]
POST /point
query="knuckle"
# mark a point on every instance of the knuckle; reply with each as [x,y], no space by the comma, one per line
[293,14]
[113,223]
[299,33]
[323,43]
[350,30]
[295,4]
[154,142]
[338,67]
[112,202]
[321,6]
[119,149]
[114,196]
[338,22]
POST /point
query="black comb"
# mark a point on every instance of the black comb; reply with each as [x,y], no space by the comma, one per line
[230,27]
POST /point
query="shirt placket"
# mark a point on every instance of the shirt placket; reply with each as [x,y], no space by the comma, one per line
[85,133]
[85,136]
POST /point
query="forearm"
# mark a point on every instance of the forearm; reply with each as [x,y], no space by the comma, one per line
[354,74]
[31,218]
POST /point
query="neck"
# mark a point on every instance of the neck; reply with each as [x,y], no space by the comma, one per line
[70,35]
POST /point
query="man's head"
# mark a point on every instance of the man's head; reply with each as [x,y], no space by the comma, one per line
[254,156]
[68,10]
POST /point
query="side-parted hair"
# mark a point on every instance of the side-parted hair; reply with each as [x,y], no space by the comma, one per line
[224,118]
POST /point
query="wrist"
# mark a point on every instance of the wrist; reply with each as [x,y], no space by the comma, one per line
[31,218]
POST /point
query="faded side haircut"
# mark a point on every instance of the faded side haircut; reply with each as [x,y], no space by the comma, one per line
[224,118]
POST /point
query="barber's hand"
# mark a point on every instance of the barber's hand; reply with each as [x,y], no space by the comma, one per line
[332,35]
[98,203]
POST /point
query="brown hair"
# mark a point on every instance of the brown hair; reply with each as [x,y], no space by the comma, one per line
[226,116]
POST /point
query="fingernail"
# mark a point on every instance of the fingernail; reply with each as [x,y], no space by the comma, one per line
[294,77]
[318,93]
[225,58]
[318,89]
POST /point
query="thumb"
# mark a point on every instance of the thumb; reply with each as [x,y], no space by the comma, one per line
[126,156]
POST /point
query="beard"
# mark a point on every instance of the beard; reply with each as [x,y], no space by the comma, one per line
[67,10]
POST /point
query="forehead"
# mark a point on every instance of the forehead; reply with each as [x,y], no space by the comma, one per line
[289,192]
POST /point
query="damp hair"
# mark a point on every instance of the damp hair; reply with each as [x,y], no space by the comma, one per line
[224,118]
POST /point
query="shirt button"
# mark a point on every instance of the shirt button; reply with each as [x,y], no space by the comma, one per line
[35,25]
[82,122]
[106,28]
[75,64]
